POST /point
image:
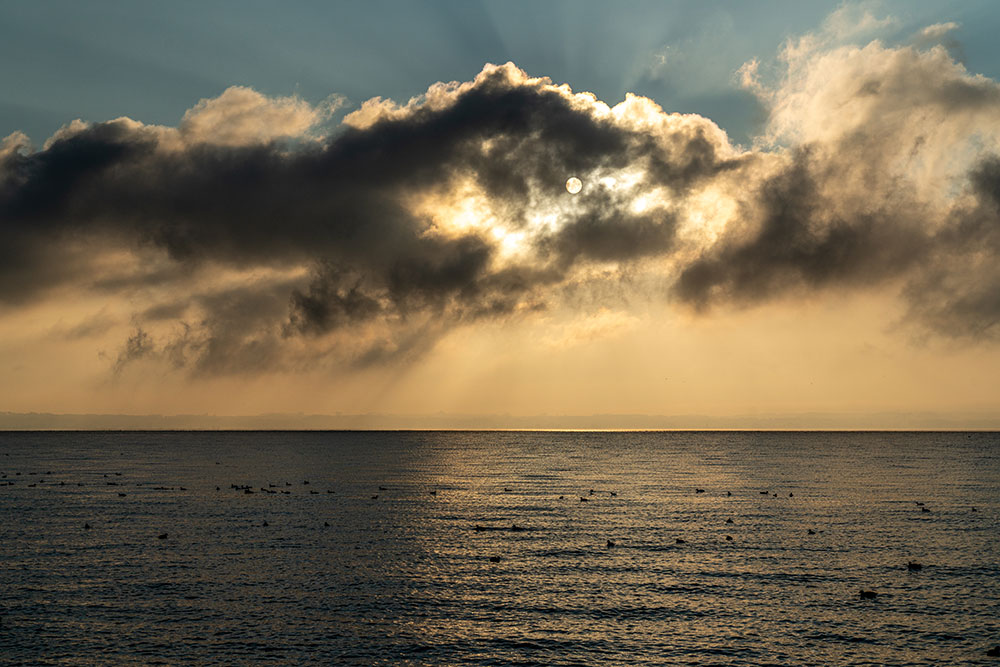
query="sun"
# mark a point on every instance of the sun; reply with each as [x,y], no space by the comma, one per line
[574,185]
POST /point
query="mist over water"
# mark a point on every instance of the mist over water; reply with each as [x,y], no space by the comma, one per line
[406,578]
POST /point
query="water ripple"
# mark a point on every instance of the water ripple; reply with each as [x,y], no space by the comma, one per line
[326,573]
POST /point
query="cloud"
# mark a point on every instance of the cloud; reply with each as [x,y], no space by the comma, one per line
[241,116]
[246,252]
[139,345]
[943,34]
[346,205]
[886,175]
[935,33]
[849,23]
[89,327]
[957,292]
[14,143]
[803,239]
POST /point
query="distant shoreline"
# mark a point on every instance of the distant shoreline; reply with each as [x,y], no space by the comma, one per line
[889,422]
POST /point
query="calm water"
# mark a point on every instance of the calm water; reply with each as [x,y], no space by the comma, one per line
[405,578]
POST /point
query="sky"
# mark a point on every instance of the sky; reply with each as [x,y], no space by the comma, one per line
[361,208]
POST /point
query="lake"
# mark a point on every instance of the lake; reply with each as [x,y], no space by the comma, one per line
[499,548]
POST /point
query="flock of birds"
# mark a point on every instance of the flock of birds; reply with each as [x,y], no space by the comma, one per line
[248,489]
[286,489]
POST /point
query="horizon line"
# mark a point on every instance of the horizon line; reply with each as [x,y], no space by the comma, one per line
[508,430]
[880,421]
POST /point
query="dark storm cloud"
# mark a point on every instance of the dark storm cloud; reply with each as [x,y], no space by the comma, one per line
[985,178]
[333,299]
[950,269]
[345,208]
[958,293]
[226,331]
[264,203]
[603,235]
[802,241]
[339,205]
[880,179]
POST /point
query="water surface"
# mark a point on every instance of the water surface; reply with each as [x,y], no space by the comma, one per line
[338,576]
